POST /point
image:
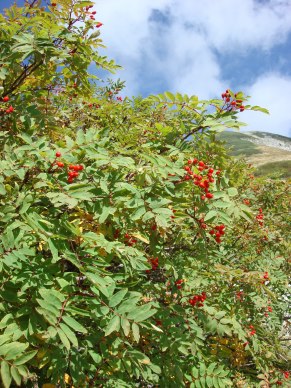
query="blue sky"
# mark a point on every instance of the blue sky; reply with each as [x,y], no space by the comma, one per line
[202,48]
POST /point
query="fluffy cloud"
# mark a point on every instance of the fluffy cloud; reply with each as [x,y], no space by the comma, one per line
[271,91]
[175,45]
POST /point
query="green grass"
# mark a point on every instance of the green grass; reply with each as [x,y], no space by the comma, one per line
[238,144]
[282,168]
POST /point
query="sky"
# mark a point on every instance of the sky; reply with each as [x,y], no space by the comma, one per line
[203,47]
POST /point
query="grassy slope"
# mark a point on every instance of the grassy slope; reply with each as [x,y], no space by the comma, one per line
[268,160]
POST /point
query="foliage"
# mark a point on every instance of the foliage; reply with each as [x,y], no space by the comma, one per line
[133,248]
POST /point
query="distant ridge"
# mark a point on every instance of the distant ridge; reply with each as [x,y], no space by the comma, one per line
[270,139]
[268,152]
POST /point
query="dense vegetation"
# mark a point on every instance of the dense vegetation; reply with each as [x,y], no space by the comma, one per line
[134,251]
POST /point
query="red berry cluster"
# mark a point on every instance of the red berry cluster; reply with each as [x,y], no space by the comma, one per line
[269,309]
[232,104]
[73,170]
[154,262]
[266,276]
[204,177]
[239,295]
[129,240]
[92,15]
[198,299]
[253,331]
[179,283]
[260,217]
[9,109]
[217,232]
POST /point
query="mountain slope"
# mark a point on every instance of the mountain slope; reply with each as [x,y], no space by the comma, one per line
[270,153]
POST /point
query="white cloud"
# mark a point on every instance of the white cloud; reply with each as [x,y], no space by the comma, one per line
[182,55]
[271,91]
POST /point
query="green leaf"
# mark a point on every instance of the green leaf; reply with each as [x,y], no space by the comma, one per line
[125,324]
[232,192]
[135,332]
[117,298]
[70,321]
[170,96]
[64,339]
[141,313]
[5,374]
[53,250]
[113,325]
[210,216]
[258,108]
[25,357]
[13,349]
[15,374]
[71,336]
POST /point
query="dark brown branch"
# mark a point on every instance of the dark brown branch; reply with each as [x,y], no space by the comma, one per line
[192,132]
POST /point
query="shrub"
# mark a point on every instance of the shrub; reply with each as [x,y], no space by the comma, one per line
[134,251]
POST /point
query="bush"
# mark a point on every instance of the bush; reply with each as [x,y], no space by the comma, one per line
[134,251]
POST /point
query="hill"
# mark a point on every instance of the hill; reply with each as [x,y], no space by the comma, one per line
[268,152]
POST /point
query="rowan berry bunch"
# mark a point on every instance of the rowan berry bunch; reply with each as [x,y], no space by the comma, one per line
[154,261]
[232,103]
[198,300]
[73,169]
[252,330]
[260,217]
[179,283]
[201,175]
[6,109]
[129,240]
[217,232]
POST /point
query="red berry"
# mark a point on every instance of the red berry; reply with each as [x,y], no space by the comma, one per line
[242,108]
[209,195]
[203,197]
[60,164]
[53,4]
[201,164]
[6,98]
[98,25]
[58,154]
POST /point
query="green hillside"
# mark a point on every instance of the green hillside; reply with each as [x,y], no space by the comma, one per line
[271,154]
